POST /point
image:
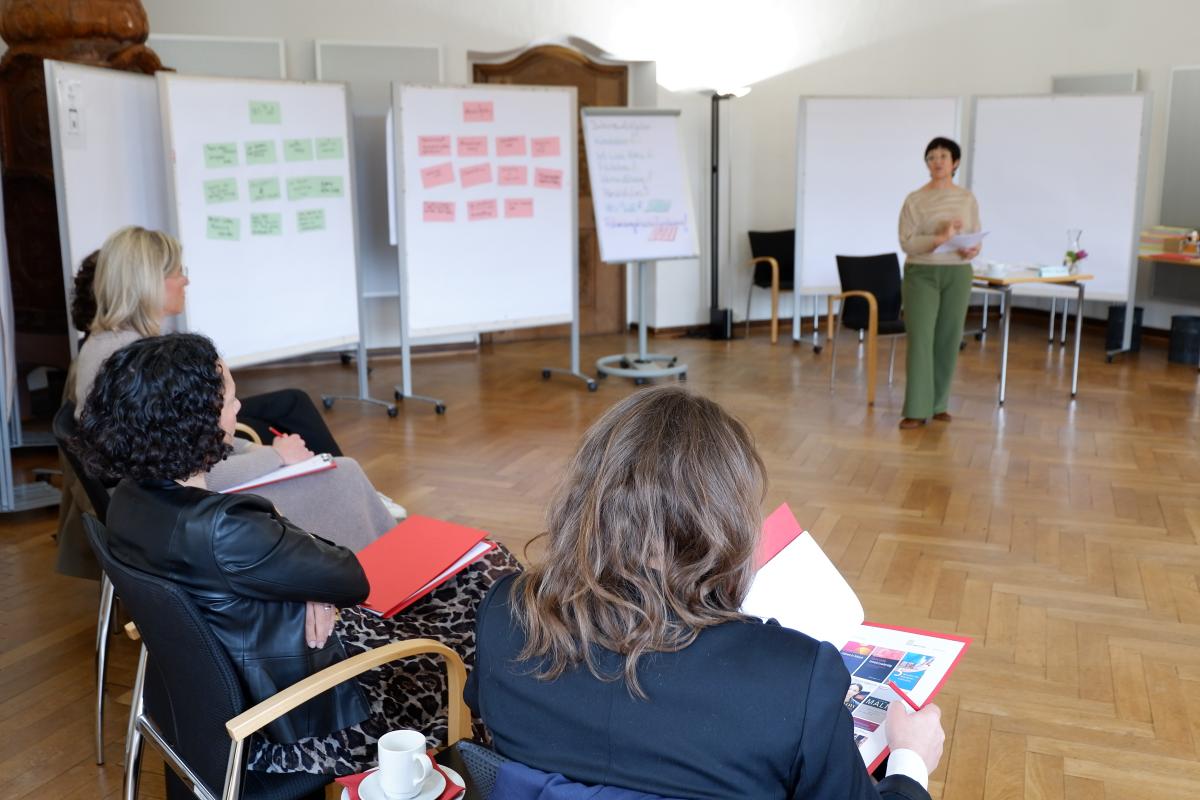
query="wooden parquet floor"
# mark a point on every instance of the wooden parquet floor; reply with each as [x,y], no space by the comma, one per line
[1064,536]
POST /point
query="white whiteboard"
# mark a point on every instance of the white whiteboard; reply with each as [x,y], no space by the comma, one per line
[1041,165]
[487,228]
[106,139]
[857,159]
[273,276]
[640,193]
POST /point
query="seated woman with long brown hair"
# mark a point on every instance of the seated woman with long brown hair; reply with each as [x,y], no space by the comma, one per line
[622,659]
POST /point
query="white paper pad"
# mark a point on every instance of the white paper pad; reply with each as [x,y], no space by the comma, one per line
[960,241]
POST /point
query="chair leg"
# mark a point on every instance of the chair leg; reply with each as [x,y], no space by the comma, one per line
[1053,308]
[133,736]
[983,322]
[774,312]
[102,627]
[892,361]
[833,348]
[861,332]
[749,297]
[1066,307]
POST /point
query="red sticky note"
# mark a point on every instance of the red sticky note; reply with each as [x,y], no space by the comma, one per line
[510,145]
[516,207]
[477,111]
[433,145]
[472,146]
[514,176]
[439,211]
[481,209]
[437,175]
[473,176]
[545,146]
[547,178]
[663,233]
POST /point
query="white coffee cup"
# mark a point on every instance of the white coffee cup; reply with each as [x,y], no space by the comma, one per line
[403,765]
[996,269]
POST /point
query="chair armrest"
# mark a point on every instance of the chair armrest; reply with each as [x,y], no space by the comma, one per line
[459,717]
[872,303]
[251,434]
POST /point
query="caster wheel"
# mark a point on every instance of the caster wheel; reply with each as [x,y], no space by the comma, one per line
[979,337]
[962,345]
[682,377]
[601,376]
[817,349]
[672,362]
[397,395]
[639,381]
[545,374]
[346,359]
[327,402]
[440,409]
[592,386]
[393,411]
[1108,359]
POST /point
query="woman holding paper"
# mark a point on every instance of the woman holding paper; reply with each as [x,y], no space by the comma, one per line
[937,285]
[625,648]
[161,415]
[139,282]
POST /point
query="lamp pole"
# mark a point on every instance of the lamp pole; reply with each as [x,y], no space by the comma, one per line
[720,320]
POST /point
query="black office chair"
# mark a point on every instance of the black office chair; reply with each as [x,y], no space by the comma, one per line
[189,702]
[871,301]
[774,262]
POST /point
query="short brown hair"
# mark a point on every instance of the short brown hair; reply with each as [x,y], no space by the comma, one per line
[652,535]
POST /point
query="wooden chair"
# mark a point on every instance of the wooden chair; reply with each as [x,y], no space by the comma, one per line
[251,434]
[774,265]
[870,299]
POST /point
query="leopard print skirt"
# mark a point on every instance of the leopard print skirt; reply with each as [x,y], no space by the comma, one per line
[410,693]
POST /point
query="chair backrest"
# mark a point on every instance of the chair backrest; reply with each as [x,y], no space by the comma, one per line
[879,275]
[64,430]
[780,245]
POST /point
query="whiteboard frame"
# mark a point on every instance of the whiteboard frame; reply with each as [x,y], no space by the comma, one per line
[1047,290]
[280,45]
[621,111]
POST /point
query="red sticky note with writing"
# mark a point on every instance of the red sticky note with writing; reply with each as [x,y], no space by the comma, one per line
[478,111]
[518,207]
[543,146]
[481,209]
[547,178]
[473,176]
[510,145]
[514,176]
[469,146]
[437,175]
[433,145]
[438,211]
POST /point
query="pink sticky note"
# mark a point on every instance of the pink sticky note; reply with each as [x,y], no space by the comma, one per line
[473,176]
[472,146]
[481,209]
[545,146]
[439,211]
[477,111]
[433,145]
[547,178]
[437,175]
[663,233]
[510,145]
[514,176]
[515,207]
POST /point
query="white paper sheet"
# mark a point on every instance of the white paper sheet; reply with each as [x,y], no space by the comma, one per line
[960,241]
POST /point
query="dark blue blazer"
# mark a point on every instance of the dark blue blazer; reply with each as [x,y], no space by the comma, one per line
[747,710]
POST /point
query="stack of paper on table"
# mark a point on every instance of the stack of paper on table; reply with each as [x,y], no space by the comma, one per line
[318,463]
[414,558]
[800,587]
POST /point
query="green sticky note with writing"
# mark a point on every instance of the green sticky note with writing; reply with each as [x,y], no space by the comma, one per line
[330,186]
[658,206]
[220,154]
[227,229]
[260,152]
[330,147]
[297,150]
[265,112]
[302,188]
[266,224]
[221,190]
[312,219]
[264,189]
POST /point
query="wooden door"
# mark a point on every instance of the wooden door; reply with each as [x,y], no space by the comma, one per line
[601,286]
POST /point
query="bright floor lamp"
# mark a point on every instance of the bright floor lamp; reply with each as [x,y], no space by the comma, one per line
[720,320]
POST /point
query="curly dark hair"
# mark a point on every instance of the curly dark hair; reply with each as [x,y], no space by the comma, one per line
[154,411]
[83,301]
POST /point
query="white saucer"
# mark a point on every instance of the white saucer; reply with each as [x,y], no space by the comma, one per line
[431,789]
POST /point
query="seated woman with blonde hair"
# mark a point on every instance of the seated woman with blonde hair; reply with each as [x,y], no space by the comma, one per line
[139,281]
[622,658]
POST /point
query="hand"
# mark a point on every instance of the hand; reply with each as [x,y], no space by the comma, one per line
[291,449]
[947,229]
[920,731]
[968,253]
[318,623]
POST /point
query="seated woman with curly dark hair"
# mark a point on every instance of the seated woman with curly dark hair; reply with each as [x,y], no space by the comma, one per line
[160,415]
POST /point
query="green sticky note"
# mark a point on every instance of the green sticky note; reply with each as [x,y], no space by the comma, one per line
[260,152]
[265,112]
[221,190]
[297,150]
[221,154]
[264,189]
[658,206]
[266,224]
[329,187]
[312,219]
[228,229]
[302,188]
[330,148]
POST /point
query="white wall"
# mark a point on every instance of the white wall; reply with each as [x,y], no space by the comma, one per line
[784,49]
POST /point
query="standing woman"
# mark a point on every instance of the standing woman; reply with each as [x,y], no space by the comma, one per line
[937,286]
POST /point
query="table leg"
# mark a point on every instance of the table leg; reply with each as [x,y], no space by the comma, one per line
[1004,346]
[1063,337]
[1078,336]
[1053,308]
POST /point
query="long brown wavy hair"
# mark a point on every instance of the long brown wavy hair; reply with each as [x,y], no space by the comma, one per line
[652,535]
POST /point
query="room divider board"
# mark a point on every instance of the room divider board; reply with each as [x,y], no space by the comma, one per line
[262,199]
[857,158]
[1041,165]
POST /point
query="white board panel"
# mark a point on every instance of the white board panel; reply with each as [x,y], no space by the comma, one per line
[263,202]
[106,139]
[487,211]
[640,192]
[857,159]
[1044,164]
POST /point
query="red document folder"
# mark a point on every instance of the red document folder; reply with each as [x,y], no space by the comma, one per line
[414,558]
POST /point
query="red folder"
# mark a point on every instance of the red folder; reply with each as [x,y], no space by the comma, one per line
[777,533]
[414,558]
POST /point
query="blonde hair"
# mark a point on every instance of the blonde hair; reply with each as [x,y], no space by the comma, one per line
[129,279]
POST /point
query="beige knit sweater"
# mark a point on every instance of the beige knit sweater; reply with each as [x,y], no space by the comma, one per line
[924,211]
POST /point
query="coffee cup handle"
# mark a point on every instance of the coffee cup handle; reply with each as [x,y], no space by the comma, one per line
[426,767]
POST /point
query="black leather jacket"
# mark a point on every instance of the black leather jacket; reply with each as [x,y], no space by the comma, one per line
[250,572]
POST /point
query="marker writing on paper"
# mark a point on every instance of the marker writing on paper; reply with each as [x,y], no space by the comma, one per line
[900,693]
